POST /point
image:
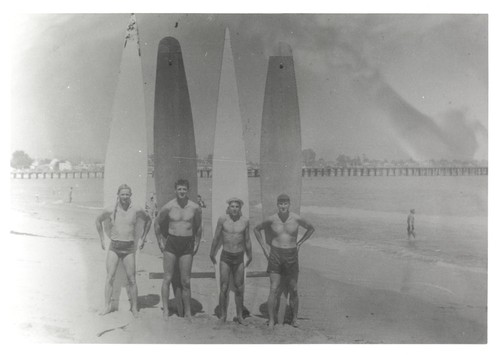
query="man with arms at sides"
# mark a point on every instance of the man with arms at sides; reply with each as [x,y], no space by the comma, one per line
[233,233]
[123,219]
[283,261]
[178,230]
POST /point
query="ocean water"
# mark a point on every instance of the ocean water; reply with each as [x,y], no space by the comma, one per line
[370,212]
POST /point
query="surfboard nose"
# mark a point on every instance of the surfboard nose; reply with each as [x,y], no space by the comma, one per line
[169,45]
[283,49]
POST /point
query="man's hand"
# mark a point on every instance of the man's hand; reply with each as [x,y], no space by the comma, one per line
[214,261]
[103,246]
[141,243]
[249,260]
[267,251]
[195,250]
[161,245]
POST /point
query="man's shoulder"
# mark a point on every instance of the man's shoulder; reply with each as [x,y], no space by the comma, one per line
[295,215]
[273,217]
[170,203]
[223,218]
[137,208]
[194,205]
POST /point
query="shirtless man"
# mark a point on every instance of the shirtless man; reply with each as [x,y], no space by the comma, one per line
[283,261]
[178,230]
[123,219]
[233,233]
[411,224]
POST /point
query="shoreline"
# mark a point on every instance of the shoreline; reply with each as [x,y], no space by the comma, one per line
[348,294]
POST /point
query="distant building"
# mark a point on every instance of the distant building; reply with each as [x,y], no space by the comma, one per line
[65,166]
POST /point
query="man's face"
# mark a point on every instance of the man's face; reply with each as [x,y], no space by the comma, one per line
[234,209]
[283,206]
[124,195]
[181,191]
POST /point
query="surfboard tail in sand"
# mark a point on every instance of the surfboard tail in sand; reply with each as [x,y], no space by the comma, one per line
[126,155]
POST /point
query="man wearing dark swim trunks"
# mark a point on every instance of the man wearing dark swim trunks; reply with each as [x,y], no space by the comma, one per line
[123,218]
[178,231]
[232,232]
[283,262]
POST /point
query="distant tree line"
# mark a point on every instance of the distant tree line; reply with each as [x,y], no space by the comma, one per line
[21,160]
[343,160]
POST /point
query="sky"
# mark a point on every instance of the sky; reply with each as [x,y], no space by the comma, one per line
[388,86]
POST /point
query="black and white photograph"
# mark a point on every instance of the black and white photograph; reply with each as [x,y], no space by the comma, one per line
[249,178]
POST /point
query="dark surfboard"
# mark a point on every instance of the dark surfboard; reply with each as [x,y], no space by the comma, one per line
[174,142]
[280,145]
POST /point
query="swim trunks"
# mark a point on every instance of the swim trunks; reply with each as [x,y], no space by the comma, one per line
[122,248]
[232,258]
[283,261]
[179,246]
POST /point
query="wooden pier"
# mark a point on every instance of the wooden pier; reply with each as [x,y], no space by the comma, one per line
[306,172]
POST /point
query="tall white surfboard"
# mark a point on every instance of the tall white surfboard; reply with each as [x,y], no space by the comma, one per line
[126,156]
[229,168]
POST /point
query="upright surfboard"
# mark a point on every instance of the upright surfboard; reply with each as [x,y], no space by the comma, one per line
[174,142]
[280,145]
[229,168]
[126,156]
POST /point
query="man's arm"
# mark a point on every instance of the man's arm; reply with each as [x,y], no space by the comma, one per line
[98,224]
[257,231]
[309,231]
[197,229]
[162,215]
[216,242]
[147,225]
[248,244]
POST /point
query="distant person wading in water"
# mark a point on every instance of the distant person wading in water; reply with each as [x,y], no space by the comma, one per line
[123,219]
[411,224]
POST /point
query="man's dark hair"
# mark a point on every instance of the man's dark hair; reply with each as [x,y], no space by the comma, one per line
[182,182]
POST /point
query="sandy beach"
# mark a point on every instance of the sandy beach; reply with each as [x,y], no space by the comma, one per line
[349,293]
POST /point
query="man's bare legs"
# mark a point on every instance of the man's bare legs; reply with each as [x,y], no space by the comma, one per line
[169,261]
[129,264]
[239,284]
[225,271]
[294,299]
[185,264]
[177,288]
[274,279]
[112,261]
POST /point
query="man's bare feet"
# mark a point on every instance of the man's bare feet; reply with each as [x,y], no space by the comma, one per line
[106,310]
[165,315]
[135,313]
[294,323]
[240,320]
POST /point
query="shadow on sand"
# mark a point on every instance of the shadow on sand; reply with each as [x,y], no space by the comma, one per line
[196,306]
[148,301]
